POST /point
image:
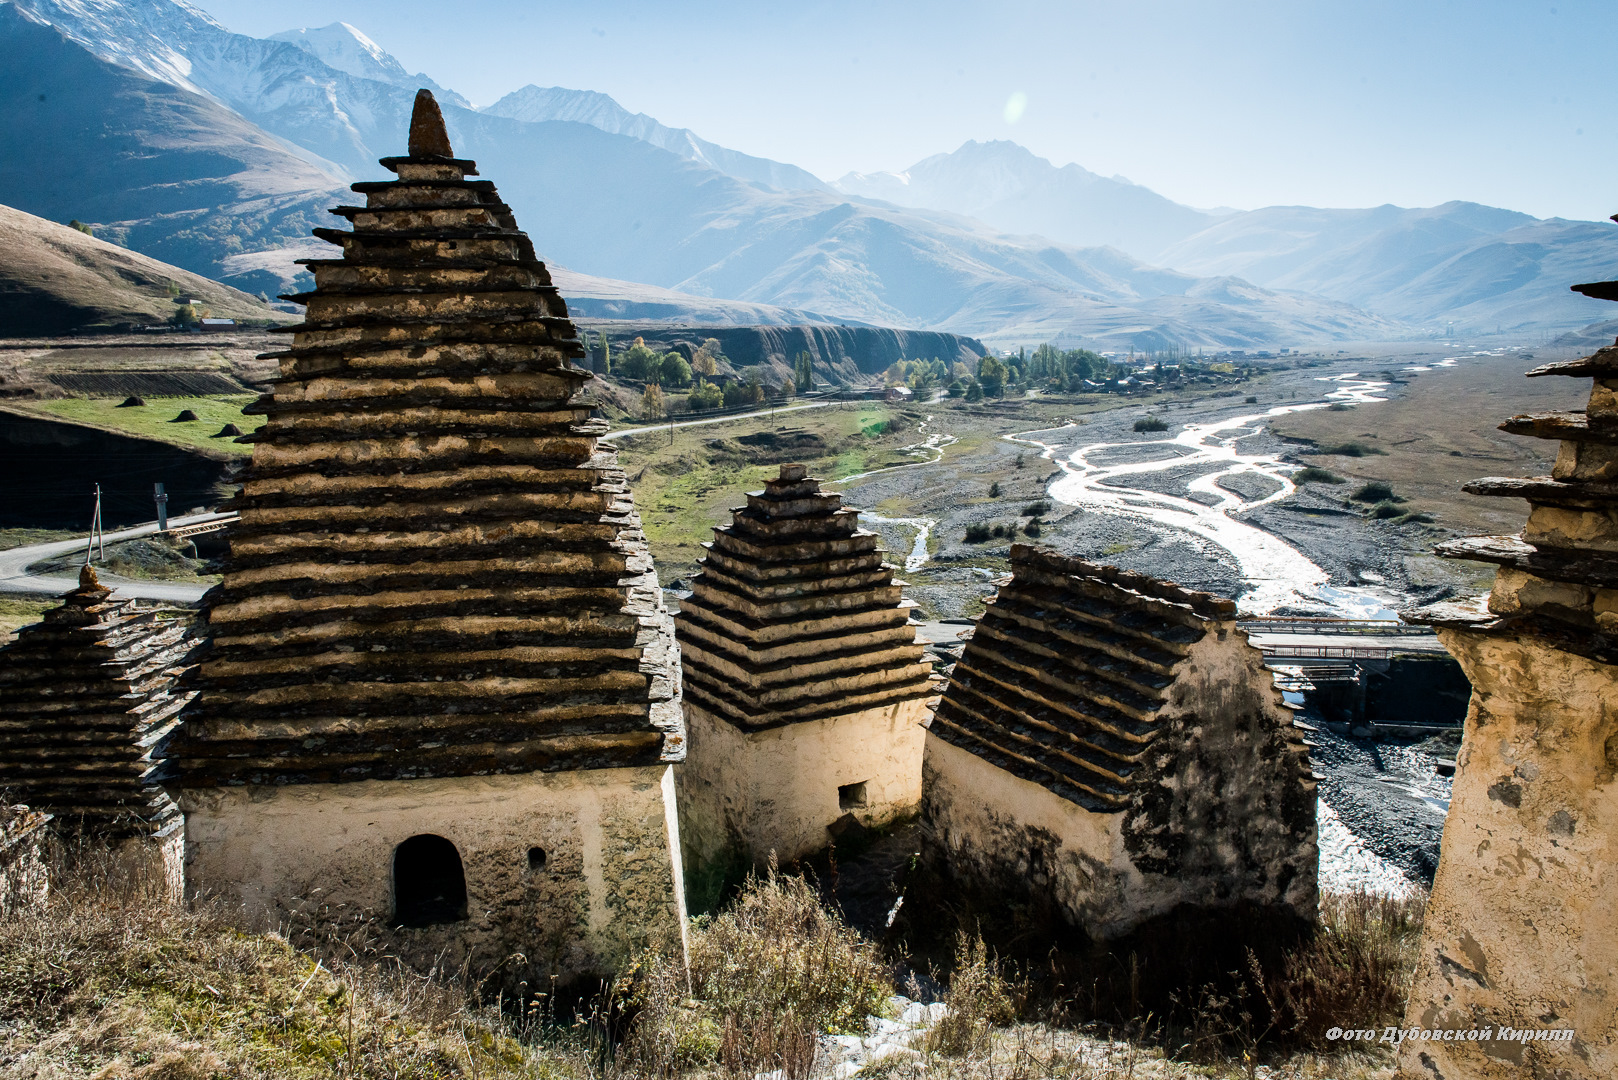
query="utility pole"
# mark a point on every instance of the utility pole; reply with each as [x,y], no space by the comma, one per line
[95,532]
[162,500]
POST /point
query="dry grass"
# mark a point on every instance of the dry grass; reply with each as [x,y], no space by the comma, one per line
[765,976]
[1442,432]
[108,978]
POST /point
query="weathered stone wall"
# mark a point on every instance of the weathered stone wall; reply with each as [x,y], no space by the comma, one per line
[320,856]
[774,791]
[1521,928]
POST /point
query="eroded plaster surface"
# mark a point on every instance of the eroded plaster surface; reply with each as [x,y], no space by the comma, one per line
[320,855]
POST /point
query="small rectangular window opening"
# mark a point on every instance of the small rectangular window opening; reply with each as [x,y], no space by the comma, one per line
[851,796]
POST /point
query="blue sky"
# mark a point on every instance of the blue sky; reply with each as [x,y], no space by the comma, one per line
[1244,104]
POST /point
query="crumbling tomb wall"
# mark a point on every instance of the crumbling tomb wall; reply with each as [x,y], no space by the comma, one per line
[1111,746]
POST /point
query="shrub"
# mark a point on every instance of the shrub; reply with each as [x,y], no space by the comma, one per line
[1311,474]
[1359,963]
[1033,527]
[978,1000]
[1348,449]
[974,391]
[977,533]
[1019,460]
[1413,518]
[1151,423]
[1386,509]
[705,396]
[1375,491]
[999,530]
[765,975]
[994,490]
[1252,399]
[1036,509]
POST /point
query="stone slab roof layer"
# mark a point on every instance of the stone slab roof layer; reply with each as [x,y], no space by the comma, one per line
[88,707]
[438,571]
[1111,745]
[1558,578]
[1065,677]
[795,615]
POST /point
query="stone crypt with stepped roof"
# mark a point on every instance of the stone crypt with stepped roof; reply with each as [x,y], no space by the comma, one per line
[441,689]
[806,690]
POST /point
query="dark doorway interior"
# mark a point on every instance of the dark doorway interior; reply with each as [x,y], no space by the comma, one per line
[429,884]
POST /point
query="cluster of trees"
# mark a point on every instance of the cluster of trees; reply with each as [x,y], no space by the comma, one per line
[1047,368]
[925,374]
[644,364]
[700,373]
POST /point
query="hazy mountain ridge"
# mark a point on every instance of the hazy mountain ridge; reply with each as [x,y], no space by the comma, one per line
[160,169]
[1478,266]
[610,205]
[537,104]
[1010,188]
[346,49]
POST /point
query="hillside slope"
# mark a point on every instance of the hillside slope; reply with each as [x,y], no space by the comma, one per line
[56,280]
[161,169]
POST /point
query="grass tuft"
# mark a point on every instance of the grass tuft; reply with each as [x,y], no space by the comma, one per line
[1312,474]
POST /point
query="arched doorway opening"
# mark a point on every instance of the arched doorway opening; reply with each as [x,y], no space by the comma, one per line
[429,884]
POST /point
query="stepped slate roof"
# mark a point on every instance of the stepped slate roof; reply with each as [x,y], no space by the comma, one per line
[795,616]
[1562,567]
[438,571]
[1062,680]
[88,705]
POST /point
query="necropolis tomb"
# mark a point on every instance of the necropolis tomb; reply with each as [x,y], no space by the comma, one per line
[440,645]
[805,687]
[1520,931]
[1111,747]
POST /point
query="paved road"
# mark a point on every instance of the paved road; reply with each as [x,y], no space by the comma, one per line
[15,578]
[718,419]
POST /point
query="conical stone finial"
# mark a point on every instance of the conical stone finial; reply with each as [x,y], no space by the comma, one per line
[427,135]
[87,577]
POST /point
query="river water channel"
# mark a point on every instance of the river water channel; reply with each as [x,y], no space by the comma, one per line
[1104,478]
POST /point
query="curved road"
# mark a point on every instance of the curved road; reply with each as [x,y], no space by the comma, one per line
[719,419]
[15,578]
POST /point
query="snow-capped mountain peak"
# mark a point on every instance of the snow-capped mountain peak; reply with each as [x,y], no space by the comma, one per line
[345,48]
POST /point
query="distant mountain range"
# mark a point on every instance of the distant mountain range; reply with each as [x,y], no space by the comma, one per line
[219,151]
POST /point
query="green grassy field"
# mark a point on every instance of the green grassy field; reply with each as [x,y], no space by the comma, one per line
[16,613]
[684,489]
[154,420]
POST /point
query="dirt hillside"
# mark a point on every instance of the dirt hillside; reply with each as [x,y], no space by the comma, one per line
[57,280]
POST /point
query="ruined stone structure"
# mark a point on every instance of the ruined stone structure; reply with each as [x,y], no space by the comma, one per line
[805,689]
[1111,745]
[24,874]
[88,706]
[442,690]
[1521,931]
